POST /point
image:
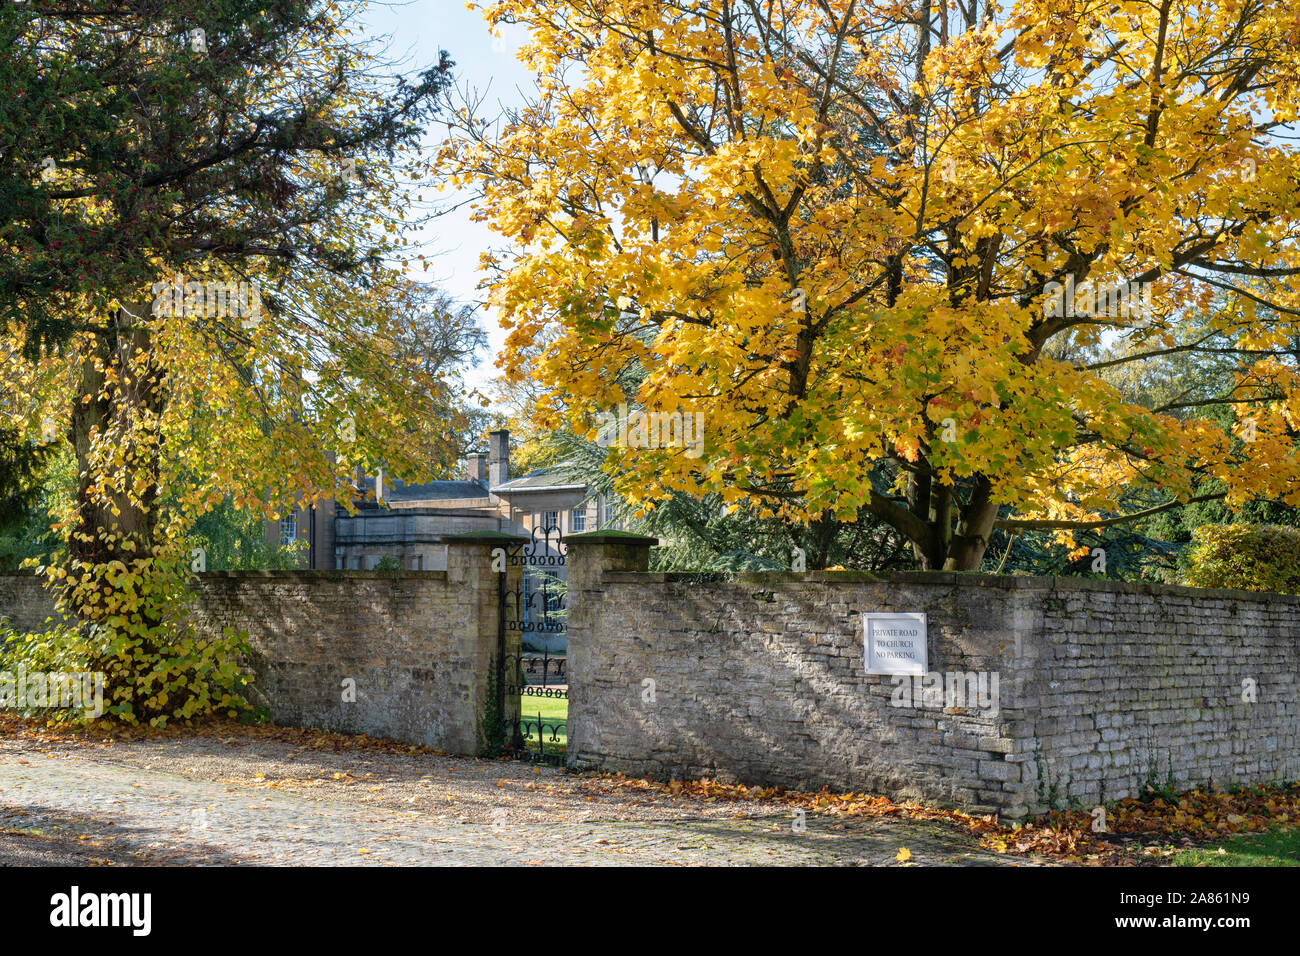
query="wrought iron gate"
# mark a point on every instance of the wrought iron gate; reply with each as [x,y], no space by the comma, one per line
[536,608]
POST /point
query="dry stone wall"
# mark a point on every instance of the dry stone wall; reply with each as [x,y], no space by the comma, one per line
[404,655]
[1043,692]
[1048,692]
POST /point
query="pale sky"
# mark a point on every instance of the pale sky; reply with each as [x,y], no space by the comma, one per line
[416,29]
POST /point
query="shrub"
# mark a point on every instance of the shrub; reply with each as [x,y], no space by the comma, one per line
[1247,557]
[153,681]
[133,631]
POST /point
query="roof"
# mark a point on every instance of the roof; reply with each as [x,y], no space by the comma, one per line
[395,490]
[553,478]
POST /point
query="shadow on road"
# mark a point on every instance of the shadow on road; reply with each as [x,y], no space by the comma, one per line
[36,836]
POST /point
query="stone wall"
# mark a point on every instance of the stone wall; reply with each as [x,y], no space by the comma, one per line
[24,604]
[1102,688]
[418,645]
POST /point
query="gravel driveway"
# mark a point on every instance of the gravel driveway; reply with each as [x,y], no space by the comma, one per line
[246,797]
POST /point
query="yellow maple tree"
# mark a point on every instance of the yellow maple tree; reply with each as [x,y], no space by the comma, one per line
[855,236]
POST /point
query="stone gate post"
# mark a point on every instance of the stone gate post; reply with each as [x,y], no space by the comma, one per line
[590,556]
[473,559]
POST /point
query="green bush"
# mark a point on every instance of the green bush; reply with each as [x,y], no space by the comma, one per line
[152,681]
[1246,557]
[133,632]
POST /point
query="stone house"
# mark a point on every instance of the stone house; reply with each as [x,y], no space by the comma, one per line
[410,523]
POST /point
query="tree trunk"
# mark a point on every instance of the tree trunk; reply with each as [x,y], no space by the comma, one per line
[936,544]
[115,416]
[974,528]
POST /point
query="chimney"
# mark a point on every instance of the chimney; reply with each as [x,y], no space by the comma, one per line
[498,457]
[476,467]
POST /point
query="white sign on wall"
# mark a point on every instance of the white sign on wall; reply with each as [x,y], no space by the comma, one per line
[895,643]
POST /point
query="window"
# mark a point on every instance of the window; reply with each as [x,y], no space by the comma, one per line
[550,521]
[288,529]
[578,520]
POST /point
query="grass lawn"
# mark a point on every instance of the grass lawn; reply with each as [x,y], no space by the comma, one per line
[552,709]
[1279,847]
